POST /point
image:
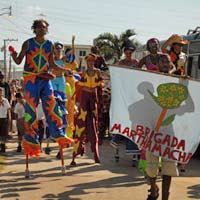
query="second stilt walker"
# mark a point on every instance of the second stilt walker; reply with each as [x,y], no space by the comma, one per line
[87,119]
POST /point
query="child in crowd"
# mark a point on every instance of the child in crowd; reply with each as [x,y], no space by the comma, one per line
[19,112]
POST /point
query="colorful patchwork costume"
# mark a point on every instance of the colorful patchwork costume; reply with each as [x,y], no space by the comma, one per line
[36,88]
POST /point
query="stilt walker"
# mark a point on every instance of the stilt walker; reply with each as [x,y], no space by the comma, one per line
[39,59]
[86,123]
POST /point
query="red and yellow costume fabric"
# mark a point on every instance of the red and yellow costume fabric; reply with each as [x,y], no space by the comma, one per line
[71,97]
[86,123]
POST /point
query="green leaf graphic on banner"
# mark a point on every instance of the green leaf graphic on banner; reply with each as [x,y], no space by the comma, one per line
[168,120]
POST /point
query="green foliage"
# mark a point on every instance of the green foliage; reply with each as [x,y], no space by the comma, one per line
[110,44]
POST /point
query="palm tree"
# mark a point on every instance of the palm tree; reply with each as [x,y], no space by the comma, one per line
[111,45]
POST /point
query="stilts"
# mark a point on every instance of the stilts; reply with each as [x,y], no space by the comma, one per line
[62,160]
[27,173]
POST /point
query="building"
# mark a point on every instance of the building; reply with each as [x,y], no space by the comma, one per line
[81,51]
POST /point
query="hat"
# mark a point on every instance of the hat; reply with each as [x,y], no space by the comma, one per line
[128,45]
[131,48]
[178,39]
[58,45]
[90,56]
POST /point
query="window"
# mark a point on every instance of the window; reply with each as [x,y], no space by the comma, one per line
[82,53]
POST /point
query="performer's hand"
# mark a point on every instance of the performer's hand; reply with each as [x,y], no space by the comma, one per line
[68,72]
[185,76]
[11,49]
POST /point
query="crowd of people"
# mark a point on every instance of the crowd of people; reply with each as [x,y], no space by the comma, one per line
[72,106]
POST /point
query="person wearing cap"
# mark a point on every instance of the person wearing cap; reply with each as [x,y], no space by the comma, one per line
[59,84]
[129,60]
[174,47]
[86,123]
[5,116]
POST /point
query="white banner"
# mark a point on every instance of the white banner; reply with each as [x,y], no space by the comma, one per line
[160,113]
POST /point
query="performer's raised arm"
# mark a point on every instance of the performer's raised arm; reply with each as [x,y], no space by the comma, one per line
[18,58]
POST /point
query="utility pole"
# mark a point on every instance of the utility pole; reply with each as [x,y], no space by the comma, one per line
[9,12]
[10,65]
[5,54]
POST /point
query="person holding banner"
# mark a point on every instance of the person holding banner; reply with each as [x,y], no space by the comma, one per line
[129,60]
[131,147]
[168,168]
[151,60]
[175,44]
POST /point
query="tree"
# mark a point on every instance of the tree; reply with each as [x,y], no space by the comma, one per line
[111,46]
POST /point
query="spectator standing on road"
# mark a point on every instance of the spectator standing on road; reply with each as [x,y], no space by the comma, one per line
[19,112]
[13,102]
[168,168]
[4,120]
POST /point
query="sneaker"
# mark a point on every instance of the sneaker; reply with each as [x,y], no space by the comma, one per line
[19,148]
[47,150]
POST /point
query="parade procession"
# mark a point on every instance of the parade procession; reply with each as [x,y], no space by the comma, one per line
[85,121]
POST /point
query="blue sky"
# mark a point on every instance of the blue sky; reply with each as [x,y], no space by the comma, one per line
[88,18]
